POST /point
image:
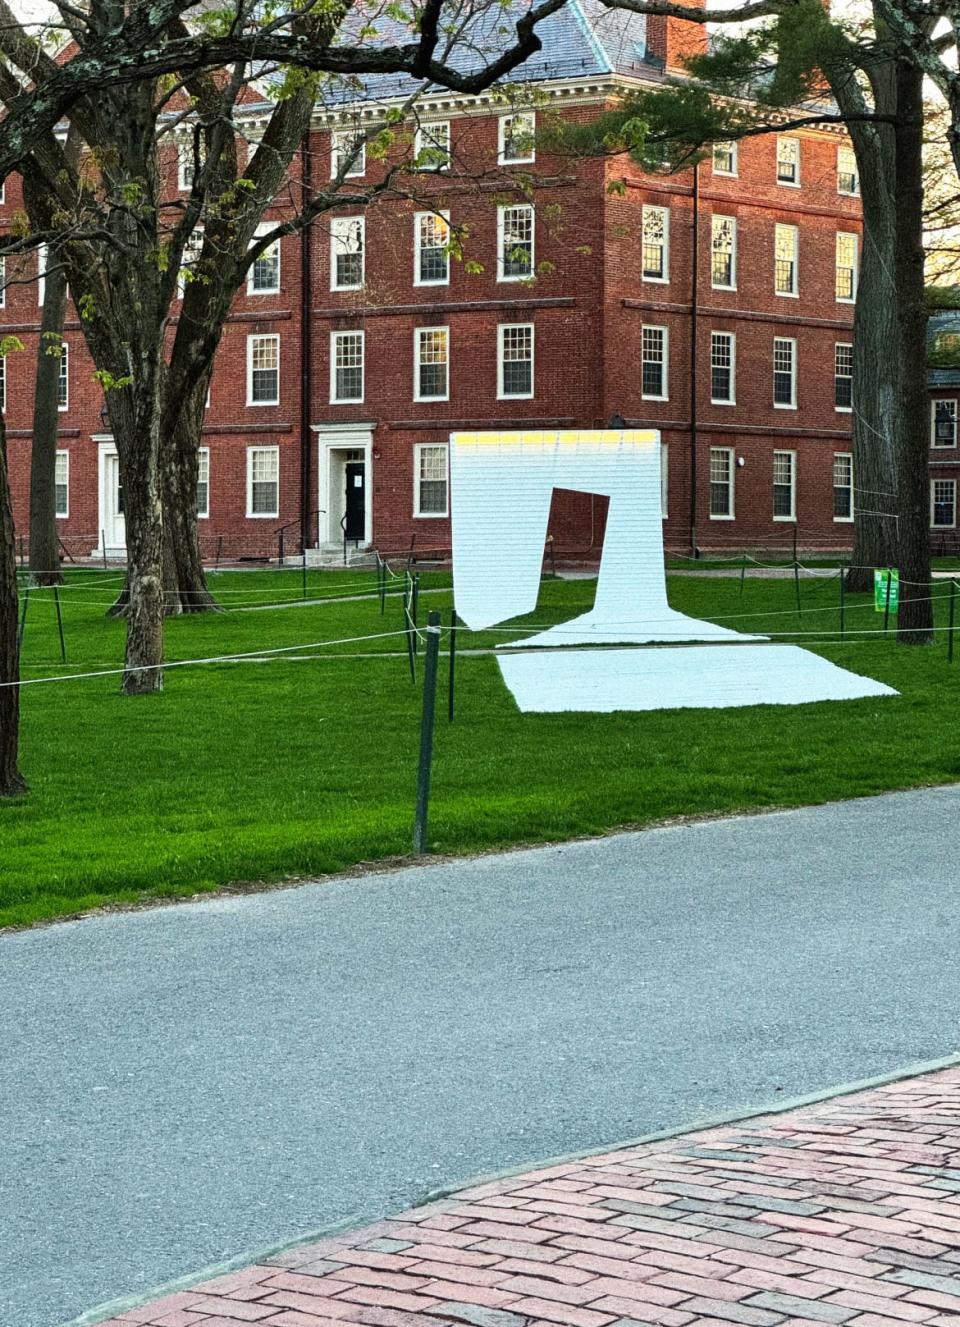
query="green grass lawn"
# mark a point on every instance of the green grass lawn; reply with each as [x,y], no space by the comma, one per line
[263,770]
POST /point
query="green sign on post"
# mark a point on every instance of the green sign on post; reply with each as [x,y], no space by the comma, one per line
[886,582]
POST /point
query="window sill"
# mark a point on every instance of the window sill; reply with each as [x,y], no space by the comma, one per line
[430,515]
[727,403]
[731,517]
[789,184]
[430,400]
[644,397]
[515,396]
[787,294]
[843,520]
[255,405]
[784,520]
[778,405]
[263,515]
[843,409]
[655,280]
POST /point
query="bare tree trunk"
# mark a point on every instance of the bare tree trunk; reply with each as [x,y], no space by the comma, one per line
[915,619]
[185,583]
[44,543]
[11,780]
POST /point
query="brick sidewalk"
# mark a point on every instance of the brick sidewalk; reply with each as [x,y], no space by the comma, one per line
[843,1212]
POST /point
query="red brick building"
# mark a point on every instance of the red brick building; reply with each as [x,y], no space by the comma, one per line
[714,305]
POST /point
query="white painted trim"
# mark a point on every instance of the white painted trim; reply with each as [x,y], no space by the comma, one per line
[348,400]
[714,285]
[783,451]
[731,484]
[953,523]
[502,158]
[942,400]
[62,515]
[419,515]
[792,403]
[204,515]
[845,520]
[727,174]
[106,449]
[732,399]
[788,184]
[337,225]
[64,360]
[850,234]
[261,515]
[417,333]
[261,336]
[664,363]
[419,146]
[516,396]
[333,438]
[795,292]
[417,218]
[264,229]
[656,280]
[501,211]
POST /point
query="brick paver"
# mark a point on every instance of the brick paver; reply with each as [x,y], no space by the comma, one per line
[846,1212]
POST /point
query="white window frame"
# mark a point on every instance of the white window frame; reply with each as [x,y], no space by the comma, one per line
[43,254]
[947,401]
[794,183]
[252,289]
[792,403]
[3,280]
[63,377]
[337,153]
[418,337]
[731,484]
[262,515]
[650,210]
[664,481]
[502,138]
[340,225]
[734,148]
[252,340]
[502,211]
[185,162]
[502,329]
[3,382]
[664,361]
[848,235]
[335,338]
[714,228]
[418,450]
[847,456]
[424,141]
[203,462]
[792,515]
[794,292]
[935,525]
[732,338]
[189,257]
[842,345]
[418,248]
[847,165]
[63,456]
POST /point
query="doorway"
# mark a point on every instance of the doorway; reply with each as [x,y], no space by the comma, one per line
[113,525]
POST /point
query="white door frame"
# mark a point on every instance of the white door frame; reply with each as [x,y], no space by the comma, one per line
[106,447]
[331,439]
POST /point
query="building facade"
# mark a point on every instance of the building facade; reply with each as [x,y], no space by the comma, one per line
[714,305]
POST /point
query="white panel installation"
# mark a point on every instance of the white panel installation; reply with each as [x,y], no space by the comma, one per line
[501,489]
[688,677]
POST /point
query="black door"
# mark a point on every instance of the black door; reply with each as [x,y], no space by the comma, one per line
[356,500]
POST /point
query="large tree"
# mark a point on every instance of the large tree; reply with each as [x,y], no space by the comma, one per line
[108,225]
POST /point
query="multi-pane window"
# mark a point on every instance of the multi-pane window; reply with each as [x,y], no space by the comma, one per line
[514,242]
[842,486]
[63,377]
[430,479]
[3,281]
[721,483]
[655,243]
[847,179]
[664,479]
[203,482]
[264,275]
[61,485]
[189,260]
[346,366]
[189,156]
[725,158]
[944,421]
[346,253]
[42,255]
[784,486]
[786,245]
[348,152]
[943,503]
[515,359]
[432,251]
[846,266]
[784,372]
[653,369]
[3,382]
[722,367]
[788,160]
[263,481]
[517,138]
[843,375]
[431,363]
[432,146]
[263,370]
[723,253]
